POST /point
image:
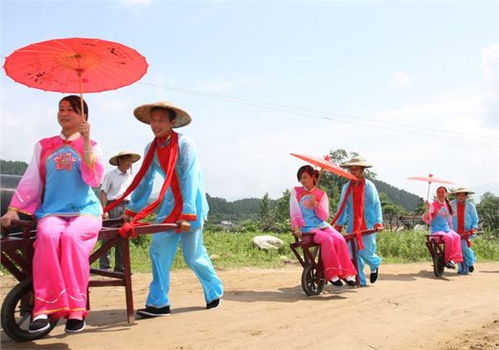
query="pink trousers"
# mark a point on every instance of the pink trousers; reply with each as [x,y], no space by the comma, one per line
[453,250]
[60,264]
[334,252]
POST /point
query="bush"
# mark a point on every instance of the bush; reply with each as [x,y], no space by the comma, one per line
[234,249]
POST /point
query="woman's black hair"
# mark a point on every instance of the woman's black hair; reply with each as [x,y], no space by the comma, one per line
[446,200]
[75,103]
[309,170]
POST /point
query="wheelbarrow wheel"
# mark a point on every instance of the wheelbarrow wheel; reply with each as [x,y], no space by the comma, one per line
[311,283]
[438,265]
[16,313]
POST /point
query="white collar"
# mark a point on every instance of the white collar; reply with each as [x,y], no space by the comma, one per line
[71,137]
[119,172]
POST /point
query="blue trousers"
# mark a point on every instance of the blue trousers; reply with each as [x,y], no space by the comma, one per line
[469,258]
[367,256]
[162,252]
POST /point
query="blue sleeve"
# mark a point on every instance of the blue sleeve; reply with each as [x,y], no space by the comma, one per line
[373,196]
[344,215]
[140,196]
[474,216]
[189,177]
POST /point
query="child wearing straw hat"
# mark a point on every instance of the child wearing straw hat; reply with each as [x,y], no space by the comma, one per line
[182,200]
[360,208]
[465,222]
[114,185]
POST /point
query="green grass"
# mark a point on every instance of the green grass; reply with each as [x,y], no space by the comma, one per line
[236,250]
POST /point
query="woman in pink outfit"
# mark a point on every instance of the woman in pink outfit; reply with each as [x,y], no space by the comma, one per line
[439,216]
[309,210]
[57,189]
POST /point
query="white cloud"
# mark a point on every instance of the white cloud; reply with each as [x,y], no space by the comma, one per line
[401,79]
[136,3]
[490,73]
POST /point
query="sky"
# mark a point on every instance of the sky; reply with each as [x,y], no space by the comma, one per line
[413,87]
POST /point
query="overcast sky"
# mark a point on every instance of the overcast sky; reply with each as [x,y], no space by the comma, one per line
[412,87]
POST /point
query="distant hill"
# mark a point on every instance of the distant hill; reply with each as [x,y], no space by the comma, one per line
[242,209]
[10,167]
[400,197]
[247,208]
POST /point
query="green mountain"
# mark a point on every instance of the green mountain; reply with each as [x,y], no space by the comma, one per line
[406,200]
[10,167]
[242,209]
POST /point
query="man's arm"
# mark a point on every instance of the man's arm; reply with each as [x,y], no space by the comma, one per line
[190,178]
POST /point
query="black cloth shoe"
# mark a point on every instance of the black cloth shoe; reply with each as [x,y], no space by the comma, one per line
[39,325]
[337,283]
[213,304]
[450,265]
[151,311]
[471,268]
[74,326]
[374,275]
[351,283]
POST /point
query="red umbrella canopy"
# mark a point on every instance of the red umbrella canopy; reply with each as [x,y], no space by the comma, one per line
[326,164]
[76,65]
[430,178]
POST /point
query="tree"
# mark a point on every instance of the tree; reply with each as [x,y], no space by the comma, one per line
[266,216]
[488,212]
[10,167]
[332,184]
[282,207]
[391,211]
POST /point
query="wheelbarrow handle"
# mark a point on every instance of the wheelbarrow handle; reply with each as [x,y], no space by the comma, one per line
[23,223]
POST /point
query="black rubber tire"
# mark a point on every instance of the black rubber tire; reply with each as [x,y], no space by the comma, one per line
[438,265]
[16,313]
[309,281]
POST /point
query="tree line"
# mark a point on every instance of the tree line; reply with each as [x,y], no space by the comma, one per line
[268,214]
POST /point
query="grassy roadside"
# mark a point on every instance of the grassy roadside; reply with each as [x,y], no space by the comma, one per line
[230,249]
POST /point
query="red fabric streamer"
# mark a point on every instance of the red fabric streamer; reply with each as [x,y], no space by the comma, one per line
[167,157]
[358,209]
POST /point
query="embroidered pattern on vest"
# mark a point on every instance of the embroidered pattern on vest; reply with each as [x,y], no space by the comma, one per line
[64,161]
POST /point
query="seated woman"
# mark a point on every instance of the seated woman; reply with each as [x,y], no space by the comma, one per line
[439,216]
[57,189]
[309,210]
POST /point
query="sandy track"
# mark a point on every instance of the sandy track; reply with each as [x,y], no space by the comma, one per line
[266,309]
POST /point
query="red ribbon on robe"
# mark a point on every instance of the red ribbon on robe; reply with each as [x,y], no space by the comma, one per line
[357,190]
[460,223]
[167,156]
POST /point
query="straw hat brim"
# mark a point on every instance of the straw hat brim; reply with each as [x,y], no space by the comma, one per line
[463,190]
[114,159]
[143,113]
[360,163]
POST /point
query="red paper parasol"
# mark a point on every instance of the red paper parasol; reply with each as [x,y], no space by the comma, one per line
[430,178]
[76,65]
[326,164]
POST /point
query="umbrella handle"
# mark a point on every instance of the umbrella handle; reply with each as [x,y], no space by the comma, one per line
[428,200]
[82,111]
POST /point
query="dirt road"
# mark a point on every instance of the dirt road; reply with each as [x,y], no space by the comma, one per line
[408,308]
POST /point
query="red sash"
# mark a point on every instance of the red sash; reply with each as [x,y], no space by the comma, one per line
[460,223]
[358,222]
[460,217]
[167,157]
